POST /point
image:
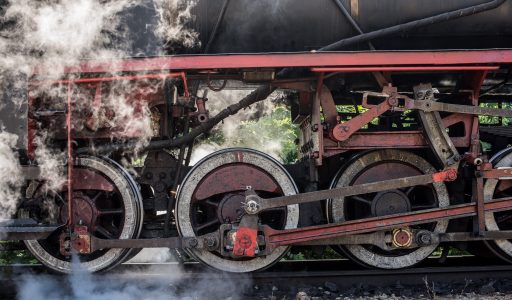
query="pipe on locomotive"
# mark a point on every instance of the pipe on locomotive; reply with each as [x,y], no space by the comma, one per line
[262,92]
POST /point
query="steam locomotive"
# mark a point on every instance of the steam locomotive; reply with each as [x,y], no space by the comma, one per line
[403,144]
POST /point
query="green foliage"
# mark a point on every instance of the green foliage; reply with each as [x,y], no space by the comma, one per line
[487,120]
[16,257]
[308,253]
[273,133]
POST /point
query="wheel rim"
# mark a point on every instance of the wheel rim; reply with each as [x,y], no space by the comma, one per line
[494,189]
[115,214]
[206,198]
[384,165]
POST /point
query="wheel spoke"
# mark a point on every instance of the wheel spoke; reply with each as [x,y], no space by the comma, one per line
[276,209]
[212,203]
[207,224]
[103,231]
[361,199]
[503,218]
[423,206]
[111,211]
[408,190]
[98,194]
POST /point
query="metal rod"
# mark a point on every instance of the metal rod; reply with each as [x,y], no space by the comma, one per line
[114,78]
[275,238]
[352,21]
[172,197]
[70,158]
[452,15]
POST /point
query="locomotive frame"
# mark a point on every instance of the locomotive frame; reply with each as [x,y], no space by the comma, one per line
[324,135]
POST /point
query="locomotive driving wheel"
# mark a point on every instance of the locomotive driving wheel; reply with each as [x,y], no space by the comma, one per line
[495,189]
[385,165]
[105,199]
[212,194]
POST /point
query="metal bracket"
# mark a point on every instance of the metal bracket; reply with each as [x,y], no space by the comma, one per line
[435,133]
[246,237]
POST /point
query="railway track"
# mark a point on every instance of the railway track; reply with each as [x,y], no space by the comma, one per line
[284,279]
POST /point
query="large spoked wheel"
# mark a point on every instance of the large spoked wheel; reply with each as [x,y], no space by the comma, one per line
[495,189]
[378,166]
[213,191]
[105,199]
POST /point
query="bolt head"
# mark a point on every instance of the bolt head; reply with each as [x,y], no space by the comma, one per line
[193,243]
[210,242]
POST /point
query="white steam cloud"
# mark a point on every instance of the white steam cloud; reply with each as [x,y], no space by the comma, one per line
[11,178]
[52,34]
[173,16]
[164,282]
[57,33]
[266,139]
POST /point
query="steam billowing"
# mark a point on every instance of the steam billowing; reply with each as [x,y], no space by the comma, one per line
[57,33]
[231,128]
[10,175]
[164,282]
[173,16]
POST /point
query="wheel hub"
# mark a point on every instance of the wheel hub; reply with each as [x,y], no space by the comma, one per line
[230,208]
[84,211]
[390,202]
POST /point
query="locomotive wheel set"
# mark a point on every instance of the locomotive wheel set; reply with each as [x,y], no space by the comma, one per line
[391,159]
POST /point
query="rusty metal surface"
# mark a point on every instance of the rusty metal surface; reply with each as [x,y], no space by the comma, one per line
[328,107]
[235,177]
[342,132]
[203,242]
[435,132]
[503,173]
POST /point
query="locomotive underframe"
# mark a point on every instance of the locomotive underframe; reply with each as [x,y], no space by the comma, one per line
[320,140]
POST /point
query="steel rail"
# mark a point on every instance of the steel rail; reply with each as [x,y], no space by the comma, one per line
[287,276]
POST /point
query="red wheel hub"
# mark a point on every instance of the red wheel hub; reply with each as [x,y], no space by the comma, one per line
[84,210]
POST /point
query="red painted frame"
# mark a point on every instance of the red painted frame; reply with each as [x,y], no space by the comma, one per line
[294,60]
[477,61]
